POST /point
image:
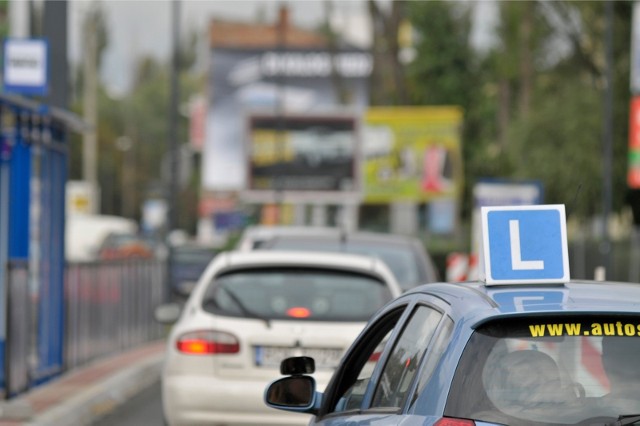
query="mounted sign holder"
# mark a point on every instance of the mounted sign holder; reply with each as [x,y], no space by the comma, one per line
[525,244]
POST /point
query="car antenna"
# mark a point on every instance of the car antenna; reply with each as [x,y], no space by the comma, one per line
[573,203]
[343,238]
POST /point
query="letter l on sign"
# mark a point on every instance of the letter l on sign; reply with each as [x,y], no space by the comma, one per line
[516,257]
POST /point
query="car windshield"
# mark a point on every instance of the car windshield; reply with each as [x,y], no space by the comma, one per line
[296,294]
[398,257]
[558,370]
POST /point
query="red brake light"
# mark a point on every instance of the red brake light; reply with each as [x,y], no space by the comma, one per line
[298,312]
[450,421]
[208,343]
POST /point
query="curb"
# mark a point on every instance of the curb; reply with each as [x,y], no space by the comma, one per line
[88,393]
[104,397]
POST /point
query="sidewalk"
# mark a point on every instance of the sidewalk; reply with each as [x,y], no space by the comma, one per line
[86,393]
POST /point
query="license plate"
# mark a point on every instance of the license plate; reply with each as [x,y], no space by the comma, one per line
[271,356]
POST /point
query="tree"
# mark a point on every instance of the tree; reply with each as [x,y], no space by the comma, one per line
[388,81]
[141,115]
[447,71]
[534,103]
[560,142]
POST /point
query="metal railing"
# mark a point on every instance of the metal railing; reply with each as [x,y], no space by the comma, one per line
[107,308]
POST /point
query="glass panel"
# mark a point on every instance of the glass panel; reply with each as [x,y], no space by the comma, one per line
[405,359]
[296,293]
[399,258]
[560,371]
[355,374]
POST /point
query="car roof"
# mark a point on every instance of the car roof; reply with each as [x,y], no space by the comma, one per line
[358,236]
[260,233]
[278,258]
[477,302]
[285,257]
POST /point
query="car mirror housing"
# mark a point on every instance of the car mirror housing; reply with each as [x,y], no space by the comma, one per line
[167,313]
[297,365]
[293,393]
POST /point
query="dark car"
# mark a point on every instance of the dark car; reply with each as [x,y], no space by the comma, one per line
[405,255]
[118,245]
[189,262]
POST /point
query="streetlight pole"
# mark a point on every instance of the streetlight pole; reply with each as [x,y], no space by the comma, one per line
[605,247]
[125,145]
[173,152]
[173,118]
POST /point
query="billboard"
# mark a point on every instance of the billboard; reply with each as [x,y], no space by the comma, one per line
[279,81]
[300,157]
[633,172]
[412,154]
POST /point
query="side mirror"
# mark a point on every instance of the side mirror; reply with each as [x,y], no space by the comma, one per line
[167,313]
[297,365]
[295,393]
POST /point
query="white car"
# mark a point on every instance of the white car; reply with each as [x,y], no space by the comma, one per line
[248,312]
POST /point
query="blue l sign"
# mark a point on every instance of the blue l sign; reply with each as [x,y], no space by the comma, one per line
[525,244]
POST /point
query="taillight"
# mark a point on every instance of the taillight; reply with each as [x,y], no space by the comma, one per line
[450,421]
[298,312]
[208,342]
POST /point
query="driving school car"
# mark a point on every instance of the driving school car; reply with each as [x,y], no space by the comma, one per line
[526,345]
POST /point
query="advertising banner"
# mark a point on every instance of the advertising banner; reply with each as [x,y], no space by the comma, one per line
[298,154]
[412,154]
[277,81]
[633,173]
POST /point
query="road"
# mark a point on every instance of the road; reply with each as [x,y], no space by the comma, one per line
[144,409]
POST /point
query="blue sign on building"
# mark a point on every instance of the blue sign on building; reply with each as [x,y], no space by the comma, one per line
[26,68]
[525,244]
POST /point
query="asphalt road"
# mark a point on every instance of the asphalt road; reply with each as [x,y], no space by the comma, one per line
[144,409]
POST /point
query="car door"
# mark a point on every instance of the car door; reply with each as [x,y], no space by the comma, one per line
[379,376]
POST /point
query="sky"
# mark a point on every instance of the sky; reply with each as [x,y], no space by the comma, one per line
[143,27]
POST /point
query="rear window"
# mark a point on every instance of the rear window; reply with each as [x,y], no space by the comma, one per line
[398,257]
[561,370]
[296,294]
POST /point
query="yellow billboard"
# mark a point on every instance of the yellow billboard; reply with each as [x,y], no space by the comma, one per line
[412,153]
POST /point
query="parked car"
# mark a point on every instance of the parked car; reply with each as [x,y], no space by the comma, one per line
[405,255]
[84,234]
[526,346]
[124,245]
[250,310]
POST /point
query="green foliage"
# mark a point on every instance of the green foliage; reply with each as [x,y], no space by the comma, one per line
[4,18]
[534,103]
[142,115]
[560,144]
[442,73]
